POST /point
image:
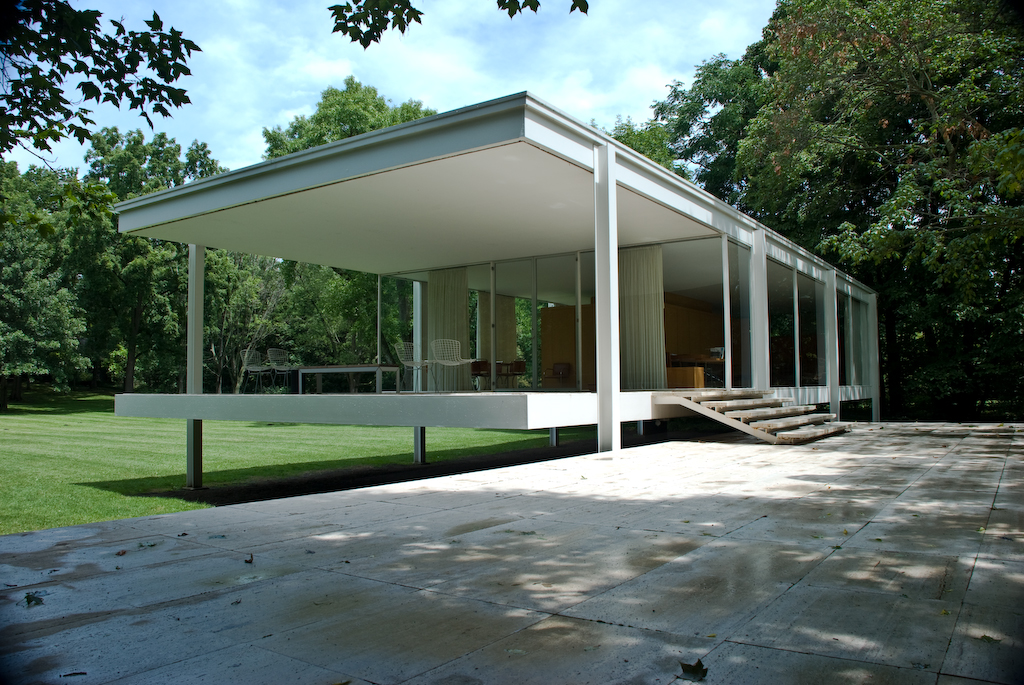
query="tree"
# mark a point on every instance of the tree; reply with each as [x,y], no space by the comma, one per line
[887,135]
[341,114]
[131,287]
[46,43]
[242,297]
[39,320]
[652,140]
[365,21]
[707,121]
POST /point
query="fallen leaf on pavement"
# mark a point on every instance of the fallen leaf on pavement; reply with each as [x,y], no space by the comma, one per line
[693,672]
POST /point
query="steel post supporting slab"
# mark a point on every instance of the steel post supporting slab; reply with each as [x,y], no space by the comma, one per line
[194,364]
[419,444]
[553,437]
[606,267]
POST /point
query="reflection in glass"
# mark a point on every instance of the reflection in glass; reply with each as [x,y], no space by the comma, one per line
[694,314]
[556,336]
[739,315]
[781,333]
[812,330]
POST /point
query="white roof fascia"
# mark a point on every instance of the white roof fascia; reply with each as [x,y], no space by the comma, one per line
[785,246]
[442,135]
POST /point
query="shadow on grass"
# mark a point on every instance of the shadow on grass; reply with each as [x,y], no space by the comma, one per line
[47,402]
[236,486]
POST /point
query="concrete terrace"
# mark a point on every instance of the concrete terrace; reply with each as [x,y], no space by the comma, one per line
[891,554]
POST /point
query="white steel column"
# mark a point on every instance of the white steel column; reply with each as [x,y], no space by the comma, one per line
[796,327]
[727,311]
[759,365]
[379,360]
[606,263]
[533,329]
[419,316]
[194,364]
[832,341]
[494,328]
[874,370]
[579,322]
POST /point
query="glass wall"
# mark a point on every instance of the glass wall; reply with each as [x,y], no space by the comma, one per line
[853,340]
[556,335]
[858,341]
[694,313]
[813,362]
[513,318]
[739,315]
[781,325]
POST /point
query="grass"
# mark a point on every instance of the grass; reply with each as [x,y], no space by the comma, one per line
[67,460]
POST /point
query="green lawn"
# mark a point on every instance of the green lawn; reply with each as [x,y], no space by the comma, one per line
[66,459]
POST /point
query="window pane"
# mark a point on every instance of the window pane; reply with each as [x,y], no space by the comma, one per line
[812,331]
[739,315]
[781,334]
[556,300]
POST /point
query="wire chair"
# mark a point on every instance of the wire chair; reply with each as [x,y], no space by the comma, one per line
[446,352]
[254,364]
[279,365]
[406,353]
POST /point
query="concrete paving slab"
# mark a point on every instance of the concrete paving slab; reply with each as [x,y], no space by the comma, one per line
[997,582]
[101,554]
[390,635]
[547,566]
[864,626]
[104,646]
[740,664]
[570,652]
[240,664]
[903,574]
[712,590]
[988,645]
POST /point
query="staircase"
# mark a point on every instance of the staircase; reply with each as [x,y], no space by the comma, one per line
[775,420]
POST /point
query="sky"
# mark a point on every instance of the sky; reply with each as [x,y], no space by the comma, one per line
[264,63]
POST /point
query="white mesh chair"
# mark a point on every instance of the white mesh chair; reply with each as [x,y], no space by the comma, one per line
[446,352]
[278,359]
[406,353]
[254,365]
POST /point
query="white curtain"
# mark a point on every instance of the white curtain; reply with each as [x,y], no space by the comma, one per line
[505,320]
[448,317]
[642,318]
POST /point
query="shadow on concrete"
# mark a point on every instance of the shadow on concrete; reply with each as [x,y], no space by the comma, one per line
[255,484]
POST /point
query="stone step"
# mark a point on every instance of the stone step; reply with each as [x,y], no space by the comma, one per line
[710,394]
[724,405]
[748,415]
[774,425]
[808,433]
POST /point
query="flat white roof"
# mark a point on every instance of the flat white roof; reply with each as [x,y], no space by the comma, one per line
[505,179]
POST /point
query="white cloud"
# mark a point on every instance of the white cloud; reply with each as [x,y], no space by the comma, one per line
[264,63]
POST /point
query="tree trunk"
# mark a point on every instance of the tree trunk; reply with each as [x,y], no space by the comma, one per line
[15,389]
[3,393]
[133,344]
